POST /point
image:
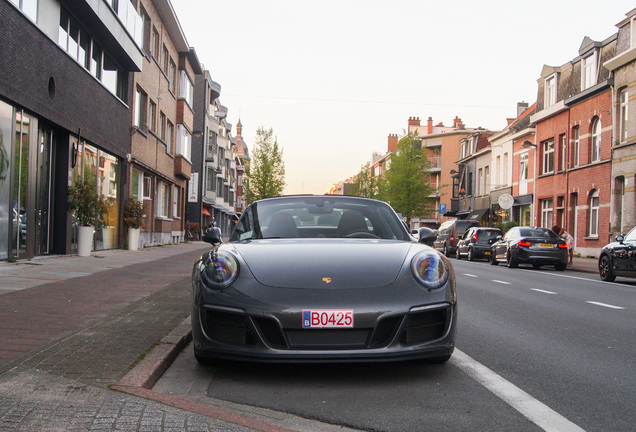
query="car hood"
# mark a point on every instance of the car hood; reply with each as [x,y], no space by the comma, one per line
[333,264]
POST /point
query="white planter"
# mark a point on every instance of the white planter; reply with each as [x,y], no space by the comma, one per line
[133,239]
[85,241]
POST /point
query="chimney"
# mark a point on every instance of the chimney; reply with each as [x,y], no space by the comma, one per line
[457,123]
[429,124]
[393,141]
[414,121]
[521,107]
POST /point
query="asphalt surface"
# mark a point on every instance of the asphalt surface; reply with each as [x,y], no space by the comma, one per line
[83,340]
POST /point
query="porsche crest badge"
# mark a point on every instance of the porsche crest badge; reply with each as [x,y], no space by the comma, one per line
[326,280]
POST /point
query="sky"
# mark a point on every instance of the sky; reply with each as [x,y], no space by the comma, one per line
[333,78]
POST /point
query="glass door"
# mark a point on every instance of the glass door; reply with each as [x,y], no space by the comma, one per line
[23,125]
[44,192]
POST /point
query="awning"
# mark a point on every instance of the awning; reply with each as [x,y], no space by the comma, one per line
[475,215]
[205,211]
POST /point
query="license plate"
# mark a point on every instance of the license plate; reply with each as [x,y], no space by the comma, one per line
[327,318]
[545,245]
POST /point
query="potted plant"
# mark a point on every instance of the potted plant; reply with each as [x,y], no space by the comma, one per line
[133,219]
[89,209]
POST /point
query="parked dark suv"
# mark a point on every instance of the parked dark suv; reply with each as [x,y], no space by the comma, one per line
[449,234]
[476,242]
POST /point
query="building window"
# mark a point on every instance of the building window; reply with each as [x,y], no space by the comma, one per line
[146,26]
[28,7]
[155,43]
[170,136]
[147,182]
[140,108]
[505,169]
[480,181]
[175,202]
[550,91]
[546,213]
[152,116]
[523,167]
[594,208]
[137,185]
[166,60]
[210,179]
[588,72]
[595,153]
[563,154]
[186,89]
[163,199]
[548,157]
[172,77]
[576,146]
[183,141]
[486,180]
[622,116]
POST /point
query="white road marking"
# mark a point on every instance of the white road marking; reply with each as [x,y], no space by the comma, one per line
[535,411]
[542,291]
[604,305]
[470,275]
[501,282]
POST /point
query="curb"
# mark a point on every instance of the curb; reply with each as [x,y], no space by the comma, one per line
[148,371]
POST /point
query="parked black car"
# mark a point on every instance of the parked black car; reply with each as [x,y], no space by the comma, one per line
[618,258]
[449,234]
[476,243]
[526,245]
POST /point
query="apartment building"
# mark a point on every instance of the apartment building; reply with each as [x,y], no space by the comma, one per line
[65,97]
[574,121]
[162,119]
[623,177]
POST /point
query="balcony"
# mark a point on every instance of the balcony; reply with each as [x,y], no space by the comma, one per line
[435,163]
[182,167]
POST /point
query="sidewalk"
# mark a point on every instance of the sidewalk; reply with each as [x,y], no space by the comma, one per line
[71,330]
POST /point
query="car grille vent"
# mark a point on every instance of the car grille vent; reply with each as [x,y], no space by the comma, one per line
[425,326]
[271,332]
[385,331]
[229,328]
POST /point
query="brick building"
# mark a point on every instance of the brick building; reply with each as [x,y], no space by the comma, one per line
[573,134]
[162,119]
[623,179]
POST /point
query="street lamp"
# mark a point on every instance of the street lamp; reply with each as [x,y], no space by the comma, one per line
[527,144]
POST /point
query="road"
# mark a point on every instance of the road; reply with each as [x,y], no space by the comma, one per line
[537,350]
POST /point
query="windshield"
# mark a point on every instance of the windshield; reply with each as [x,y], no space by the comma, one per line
[537,232]
[319,217]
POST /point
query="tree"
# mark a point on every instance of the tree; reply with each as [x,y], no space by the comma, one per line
[406,184]
[365,184]
[265,170]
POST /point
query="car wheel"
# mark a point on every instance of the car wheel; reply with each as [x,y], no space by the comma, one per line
[445,250]
[457,254]
[605,269]
[493,258]
[511,261]
[536,266]
[559,266]
[471,254]
[203,361]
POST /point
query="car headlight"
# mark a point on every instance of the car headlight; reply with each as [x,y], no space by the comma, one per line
[220,271]
[429,269]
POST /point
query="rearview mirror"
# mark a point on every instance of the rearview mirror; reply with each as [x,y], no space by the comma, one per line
[212,235]
[427,236]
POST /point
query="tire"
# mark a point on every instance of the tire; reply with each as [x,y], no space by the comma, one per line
[559,266]
[457,255]
[445,250]
[471,254]
[605,269]
[512,263]
[203,361]
[536,266]
[493,258]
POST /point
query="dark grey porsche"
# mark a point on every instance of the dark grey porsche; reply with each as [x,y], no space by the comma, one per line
[322,278]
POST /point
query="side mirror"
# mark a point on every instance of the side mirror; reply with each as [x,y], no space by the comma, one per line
[212,235]
[620,238]
[427,236]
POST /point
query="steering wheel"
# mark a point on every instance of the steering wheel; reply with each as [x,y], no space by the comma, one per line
[361,234]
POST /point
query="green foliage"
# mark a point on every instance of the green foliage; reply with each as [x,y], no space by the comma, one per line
[265,171]
[505,226]
[366,184]
[88,206]
[134,213]
[406,185]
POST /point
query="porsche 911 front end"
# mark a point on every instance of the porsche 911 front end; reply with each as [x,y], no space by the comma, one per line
[320,293]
